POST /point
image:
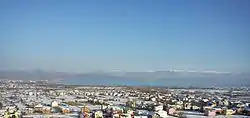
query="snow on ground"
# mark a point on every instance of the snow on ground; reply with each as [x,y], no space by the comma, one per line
[20,106]
[191,114]
[221,116]
[1,113]
[66,98]
[188,116]
[93,107]
[46,116]
[115,102]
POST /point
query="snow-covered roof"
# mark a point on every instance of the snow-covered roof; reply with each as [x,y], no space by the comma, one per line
[39,106]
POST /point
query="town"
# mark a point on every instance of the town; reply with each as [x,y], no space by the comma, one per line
[38,99]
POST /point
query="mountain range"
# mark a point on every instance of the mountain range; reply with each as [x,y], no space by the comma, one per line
[119,77]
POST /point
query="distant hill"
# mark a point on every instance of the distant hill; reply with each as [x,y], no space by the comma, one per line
[161,78]
[33,75]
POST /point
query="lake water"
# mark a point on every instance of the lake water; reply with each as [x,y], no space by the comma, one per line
[183,82]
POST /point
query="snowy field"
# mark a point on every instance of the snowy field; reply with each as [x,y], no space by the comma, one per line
[233,116]
[189,116]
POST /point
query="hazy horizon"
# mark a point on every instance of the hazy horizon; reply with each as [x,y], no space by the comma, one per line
[86,36]
[158,78]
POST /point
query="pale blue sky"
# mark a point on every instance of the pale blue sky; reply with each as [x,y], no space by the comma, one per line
[134,35]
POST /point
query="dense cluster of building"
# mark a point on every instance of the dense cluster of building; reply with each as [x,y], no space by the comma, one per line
[39,99]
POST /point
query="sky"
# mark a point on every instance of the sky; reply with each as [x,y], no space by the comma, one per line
[132,35]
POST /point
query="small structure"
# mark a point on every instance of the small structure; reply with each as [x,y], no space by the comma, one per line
[54,104]
[56,110]
[85,111]
[46,109]
[171,111]
[98,114]
[210,113]
[228,112]
[218,110]
[161,113]
[116,115]
[38,108]
[12,112]
[240,110]
[125,116]
[28,110]
[157,108]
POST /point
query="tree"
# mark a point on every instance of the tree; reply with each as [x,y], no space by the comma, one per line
[1,105]
[191,108]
